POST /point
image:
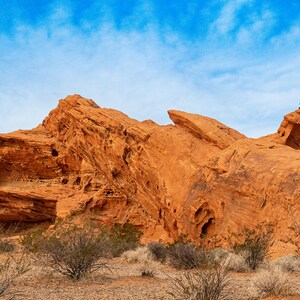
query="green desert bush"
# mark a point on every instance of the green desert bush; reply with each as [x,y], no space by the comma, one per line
[208,284]
[121,238]
[253,244]
[33,242]
[74,252]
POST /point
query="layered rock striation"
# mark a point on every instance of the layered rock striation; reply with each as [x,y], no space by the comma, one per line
[196,177]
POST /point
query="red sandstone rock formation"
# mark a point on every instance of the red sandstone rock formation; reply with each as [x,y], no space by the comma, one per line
[196,177]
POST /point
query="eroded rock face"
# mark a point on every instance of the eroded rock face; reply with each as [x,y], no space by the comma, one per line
[196,177]
[289,131]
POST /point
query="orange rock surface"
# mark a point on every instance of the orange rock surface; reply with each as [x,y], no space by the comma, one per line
[196,177]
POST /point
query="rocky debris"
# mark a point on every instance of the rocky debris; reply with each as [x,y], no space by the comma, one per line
[196,177]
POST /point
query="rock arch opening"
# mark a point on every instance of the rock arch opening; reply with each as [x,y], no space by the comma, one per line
[294,138]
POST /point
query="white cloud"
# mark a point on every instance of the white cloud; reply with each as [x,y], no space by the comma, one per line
[227,20]
[139,74]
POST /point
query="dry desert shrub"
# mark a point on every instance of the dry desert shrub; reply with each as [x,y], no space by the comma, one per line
[189,256]
[288,263]
[7,245]
[74,252]
[10,271]
[274,283]
[158,250]
[148,268]
[208,284]
[144,260]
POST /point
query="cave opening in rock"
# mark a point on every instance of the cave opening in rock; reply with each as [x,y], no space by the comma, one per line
[54,152]
[77,181]
[109,193]
[65,181]
[207,227]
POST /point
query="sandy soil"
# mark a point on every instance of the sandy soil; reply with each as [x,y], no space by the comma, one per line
[122,282]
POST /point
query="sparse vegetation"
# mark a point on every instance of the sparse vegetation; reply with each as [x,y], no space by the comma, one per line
[288,263]
[147,268]
[274,283]
[121,238]
[253,244]
[75,252]
[189,256]
[33,242]
[7,245]
[158,251]
[236,263]
[140,254]
[209,284]
[10,270]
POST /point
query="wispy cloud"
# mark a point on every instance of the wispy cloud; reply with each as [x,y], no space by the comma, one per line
[228,18]
[245,76]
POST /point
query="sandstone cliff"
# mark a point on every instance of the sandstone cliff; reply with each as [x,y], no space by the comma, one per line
[195,177]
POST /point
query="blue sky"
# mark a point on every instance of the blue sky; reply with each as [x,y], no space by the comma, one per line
[237,61]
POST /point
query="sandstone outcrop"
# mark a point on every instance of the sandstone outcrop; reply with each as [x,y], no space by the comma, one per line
[196,177]
[289,131]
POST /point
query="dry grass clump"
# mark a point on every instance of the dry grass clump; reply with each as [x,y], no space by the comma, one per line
[148,268]
[236,263]
[219,254]
[274,283]
[288,263]
[138,255]
[144,260]
[10,271]
[209,284]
